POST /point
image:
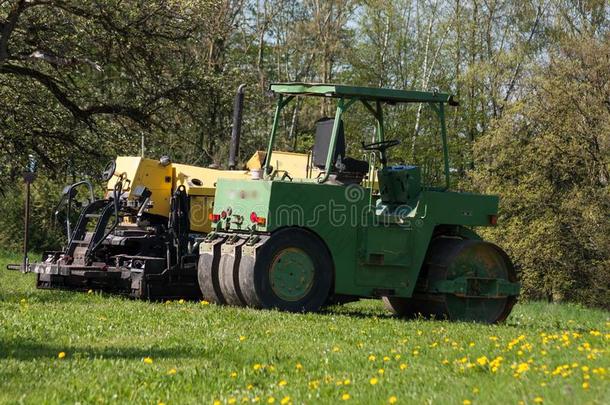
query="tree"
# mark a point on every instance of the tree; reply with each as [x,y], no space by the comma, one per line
[549,158]
[83,80]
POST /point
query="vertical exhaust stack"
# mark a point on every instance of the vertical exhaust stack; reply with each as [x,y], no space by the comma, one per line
[238,107]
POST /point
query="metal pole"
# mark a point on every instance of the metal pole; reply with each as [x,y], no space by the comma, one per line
[29,178]
[238,107]
[441,114]
[281,103]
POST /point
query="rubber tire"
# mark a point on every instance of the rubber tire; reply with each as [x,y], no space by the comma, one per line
[256,286]
[228,270]
[207,275]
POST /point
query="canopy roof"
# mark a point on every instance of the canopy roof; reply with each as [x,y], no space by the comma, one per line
[363,93]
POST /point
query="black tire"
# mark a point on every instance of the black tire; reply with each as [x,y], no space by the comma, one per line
[255,275]
[228,274]
[207,273]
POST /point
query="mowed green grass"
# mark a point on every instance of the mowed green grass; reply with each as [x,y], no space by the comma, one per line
[119,351]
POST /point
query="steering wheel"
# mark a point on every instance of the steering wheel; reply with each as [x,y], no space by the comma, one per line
[109,170]
[381,146]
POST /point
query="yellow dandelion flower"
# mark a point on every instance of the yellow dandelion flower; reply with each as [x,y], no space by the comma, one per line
[466,402]
[148,360]
[585,385]
[231,401]
[233,374]
[61,355]
[270,400]
[242,338]
[482,361]
[392,399]
[299,366]
[523,367]
[249,387]
[216,402]
[475,390]
[538,400]
[256,399]
[373,381]
[282,383]
[445,362]
[89,291]
[386,358]
[346,381]
[415,352]
[336,349]
[171,371]
[257,367]
[204,302]
[471,344]
[381,371]
[313,385]
[345,396]
[160,403]
[181,301]
[285,400]
[403,366]
[372,357]
[397,357]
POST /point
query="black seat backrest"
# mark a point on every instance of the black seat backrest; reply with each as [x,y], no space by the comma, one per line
[324,131]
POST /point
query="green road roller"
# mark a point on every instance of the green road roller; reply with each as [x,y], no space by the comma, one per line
[355,228]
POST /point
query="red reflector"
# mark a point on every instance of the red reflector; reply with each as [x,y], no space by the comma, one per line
[214,217]
[493,219]
[261,221]
[253,217]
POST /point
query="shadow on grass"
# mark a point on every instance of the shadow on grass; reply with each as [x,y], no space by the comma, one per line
[32,350]
[43,296]
[359,313]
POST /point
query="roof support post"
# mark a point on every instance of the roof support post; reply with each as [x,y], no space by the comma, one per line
[380,132]
[441,115]
[281,103]
[333,140]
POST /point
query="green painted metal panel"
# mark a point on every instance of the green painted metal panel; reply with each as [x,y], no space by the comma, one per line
[370,252]
[364,93]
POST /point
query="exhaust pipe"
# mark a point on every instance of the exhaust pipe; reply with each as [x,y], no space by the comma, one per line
[238,107]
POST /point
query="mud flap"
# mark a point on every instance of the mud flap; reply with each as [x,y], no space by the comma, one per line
[228,270]
[246,270]
[207,269]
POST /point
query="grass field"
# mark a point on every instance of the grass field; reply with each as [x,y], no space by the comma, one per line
[61,347]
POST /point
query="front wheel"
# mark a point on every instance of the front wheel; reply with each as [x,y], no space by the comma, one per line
[292,271]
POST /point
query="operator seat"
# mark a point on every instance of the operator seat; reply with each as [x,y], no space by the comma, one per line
[346,170]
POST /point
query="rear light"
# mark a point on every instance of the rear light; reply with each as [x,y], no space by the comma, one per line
[493,219]
[214,217]
[256,219]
